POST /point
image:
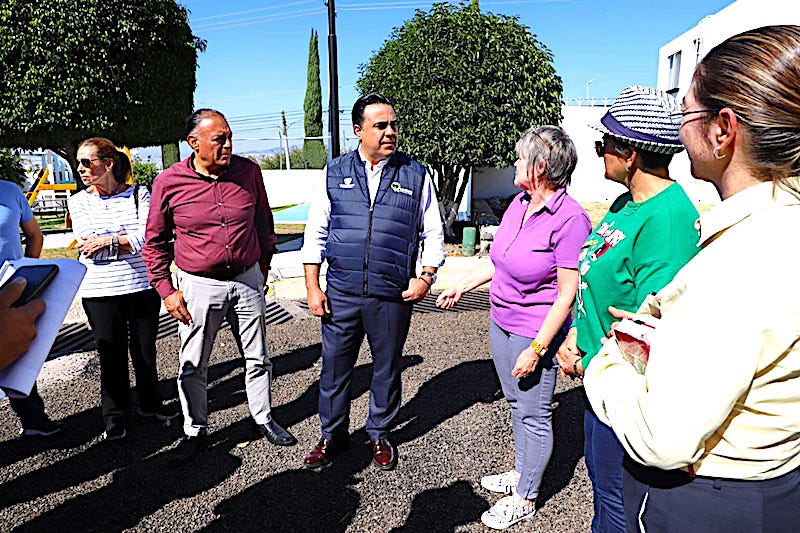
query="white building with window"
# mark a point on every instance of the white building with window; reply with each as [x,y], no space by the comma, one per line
[678,58]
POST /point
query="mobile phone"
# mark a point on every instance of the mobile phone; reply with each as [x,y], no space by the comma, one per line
[38,278]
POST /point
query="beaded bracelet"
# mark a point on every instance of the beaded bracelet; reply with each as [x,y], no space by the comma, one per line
[575,369]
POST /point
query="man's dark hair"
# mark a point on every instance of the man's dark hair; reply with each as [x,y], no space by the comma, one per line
[364,101]
[198,116]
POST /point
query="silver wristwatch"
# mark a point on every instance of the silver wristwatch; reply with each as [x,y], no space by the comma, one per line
[430,275]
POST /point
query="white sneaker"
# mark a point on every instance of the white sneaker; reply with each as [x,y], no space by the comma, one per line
[505,513]
[504,483]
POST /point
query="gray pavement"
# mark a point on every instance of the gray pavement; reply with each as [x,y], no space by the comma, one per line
[453,428]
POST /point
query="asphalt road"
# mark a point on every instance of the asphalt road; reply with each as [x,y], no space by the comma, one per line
[453,428]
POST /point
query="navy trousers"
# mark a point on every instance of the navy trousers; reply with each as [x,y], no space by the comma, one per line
[603,454]
[385,323]
[29,409]
[671,501]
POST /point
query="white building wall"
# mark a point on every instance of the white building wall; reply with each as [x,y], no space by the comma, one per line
[739,16]
[290,187]
[588,181]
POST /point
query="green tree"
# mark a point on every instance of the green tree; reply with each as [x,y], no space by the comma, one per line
[277,161]
[11,167]
[71,69]
[466,85]
[314,151]
[144,172]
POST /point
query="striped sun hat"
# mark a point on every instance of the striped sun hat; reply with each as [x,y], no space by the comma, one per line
[644,118]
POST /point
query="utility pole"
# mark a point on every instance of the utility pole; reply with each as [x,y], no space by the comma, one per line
[285,140]
[333,81]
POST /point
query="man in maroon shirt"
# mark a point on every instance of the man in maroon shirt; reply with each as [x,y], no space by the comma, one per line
[214,207]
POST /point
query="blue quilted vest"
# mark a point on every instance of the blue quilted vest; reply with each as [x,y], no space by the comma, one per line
[372,250]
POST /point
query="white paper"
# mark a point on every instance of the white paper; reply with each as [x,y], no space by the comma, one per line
[19,377]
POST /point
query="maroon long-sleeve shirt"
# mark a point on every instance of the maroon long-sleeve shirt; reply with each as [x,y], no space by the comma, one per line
[220,226]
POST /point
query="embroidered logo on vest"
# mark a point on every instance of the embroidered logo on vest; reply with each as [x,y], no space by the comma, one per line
[397,188]
[347,183]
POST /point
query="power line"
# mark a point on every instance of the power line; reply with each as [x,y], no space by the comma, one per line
[236,13]
[236,20]
[224,25]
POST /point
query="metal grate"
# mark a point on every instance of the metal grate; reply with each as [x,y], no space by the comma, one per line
[471,301]
[77,337]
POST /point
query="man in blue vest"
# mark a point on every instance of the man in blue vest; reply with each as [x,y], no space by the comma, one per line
[367,223]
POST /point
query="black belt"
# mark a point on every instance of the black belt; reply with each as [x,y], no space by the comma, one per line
[227,275]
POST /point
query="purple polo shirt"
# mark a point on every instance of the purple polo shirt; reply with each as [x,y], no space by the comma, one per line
[525,257]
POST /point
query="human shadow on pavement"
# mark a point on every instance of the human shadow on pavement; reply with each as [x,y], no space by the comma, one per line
[144,483]
[145,436]
[83,427]
[443,509]
[138,487]
[327,500]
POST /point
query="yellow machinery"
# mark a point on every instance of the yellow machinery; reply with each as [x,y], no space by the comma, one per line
[40,184]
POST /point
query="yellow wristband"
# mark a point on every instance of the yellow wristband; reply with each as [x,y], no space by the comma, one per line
[538,348]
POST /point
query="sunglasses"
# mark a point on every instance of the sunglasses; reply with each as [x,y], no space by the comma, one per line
[599,148]
[382,125]
[681,114]
[87,163]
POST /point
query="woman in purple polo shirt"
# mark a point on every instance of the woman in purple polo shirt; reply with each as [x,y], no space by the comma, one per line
[533,269]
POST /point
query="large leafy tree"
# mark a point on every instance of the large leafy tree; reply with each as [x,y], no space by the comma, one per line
[71,69]
[466,85]
[11,167]
[314,151]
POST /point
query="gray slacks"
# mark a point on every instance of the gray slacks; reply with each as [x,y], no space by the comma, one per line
[209,301]
[531,402]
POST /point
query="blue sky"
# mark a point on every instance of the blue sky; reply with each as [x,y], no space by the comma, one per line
[255,63]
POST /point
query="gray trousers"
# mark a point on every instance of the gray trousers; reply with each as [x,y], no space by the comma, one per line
[531,402]
[209,301]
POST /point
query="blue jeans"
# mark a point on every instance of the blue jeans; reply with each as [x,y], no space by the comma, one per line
[531,402]
[603,453]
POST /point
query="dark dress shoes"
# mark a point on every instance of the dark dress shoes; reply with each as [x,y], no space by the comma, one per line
[276,434]
[323,452]
[186,449]
[384,454]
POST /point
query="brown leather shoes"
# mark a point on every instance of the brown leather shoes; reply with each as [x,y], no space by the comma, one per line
[323,452]
[384,454]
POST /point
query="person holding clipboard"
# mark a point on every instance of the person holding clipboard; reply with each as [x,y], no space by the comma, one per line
[18,327]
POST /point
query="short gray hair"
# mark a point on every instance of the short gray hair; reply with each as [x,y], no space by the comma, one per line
[553,145]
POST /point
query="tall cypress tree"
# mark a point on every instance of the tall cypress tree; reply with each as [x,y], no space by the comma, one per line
[314,151]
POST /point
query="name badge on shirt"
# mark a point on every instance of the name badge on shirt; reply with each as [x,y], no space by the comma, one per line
[347,183]
[397,188]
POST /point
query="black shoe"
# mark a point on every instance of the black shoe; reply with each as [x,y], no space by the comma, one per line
[115,432]
[186,449]
[42,428]
[162,412]
[276,434]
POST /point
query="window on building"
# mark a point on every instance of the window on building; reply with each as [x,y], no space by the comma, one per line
[674,70]
[698,47]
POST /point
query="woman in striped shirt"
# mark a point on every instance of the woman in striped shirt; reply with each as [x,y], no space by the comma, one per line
[109,219]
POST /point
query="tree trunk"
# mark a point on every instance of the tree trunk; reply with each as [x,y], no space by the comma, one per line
[450,194]
[70,155]
[170,154]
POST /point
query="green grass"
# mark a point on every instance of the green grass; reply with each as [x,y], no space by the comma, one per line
[51,222]
[59,253]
